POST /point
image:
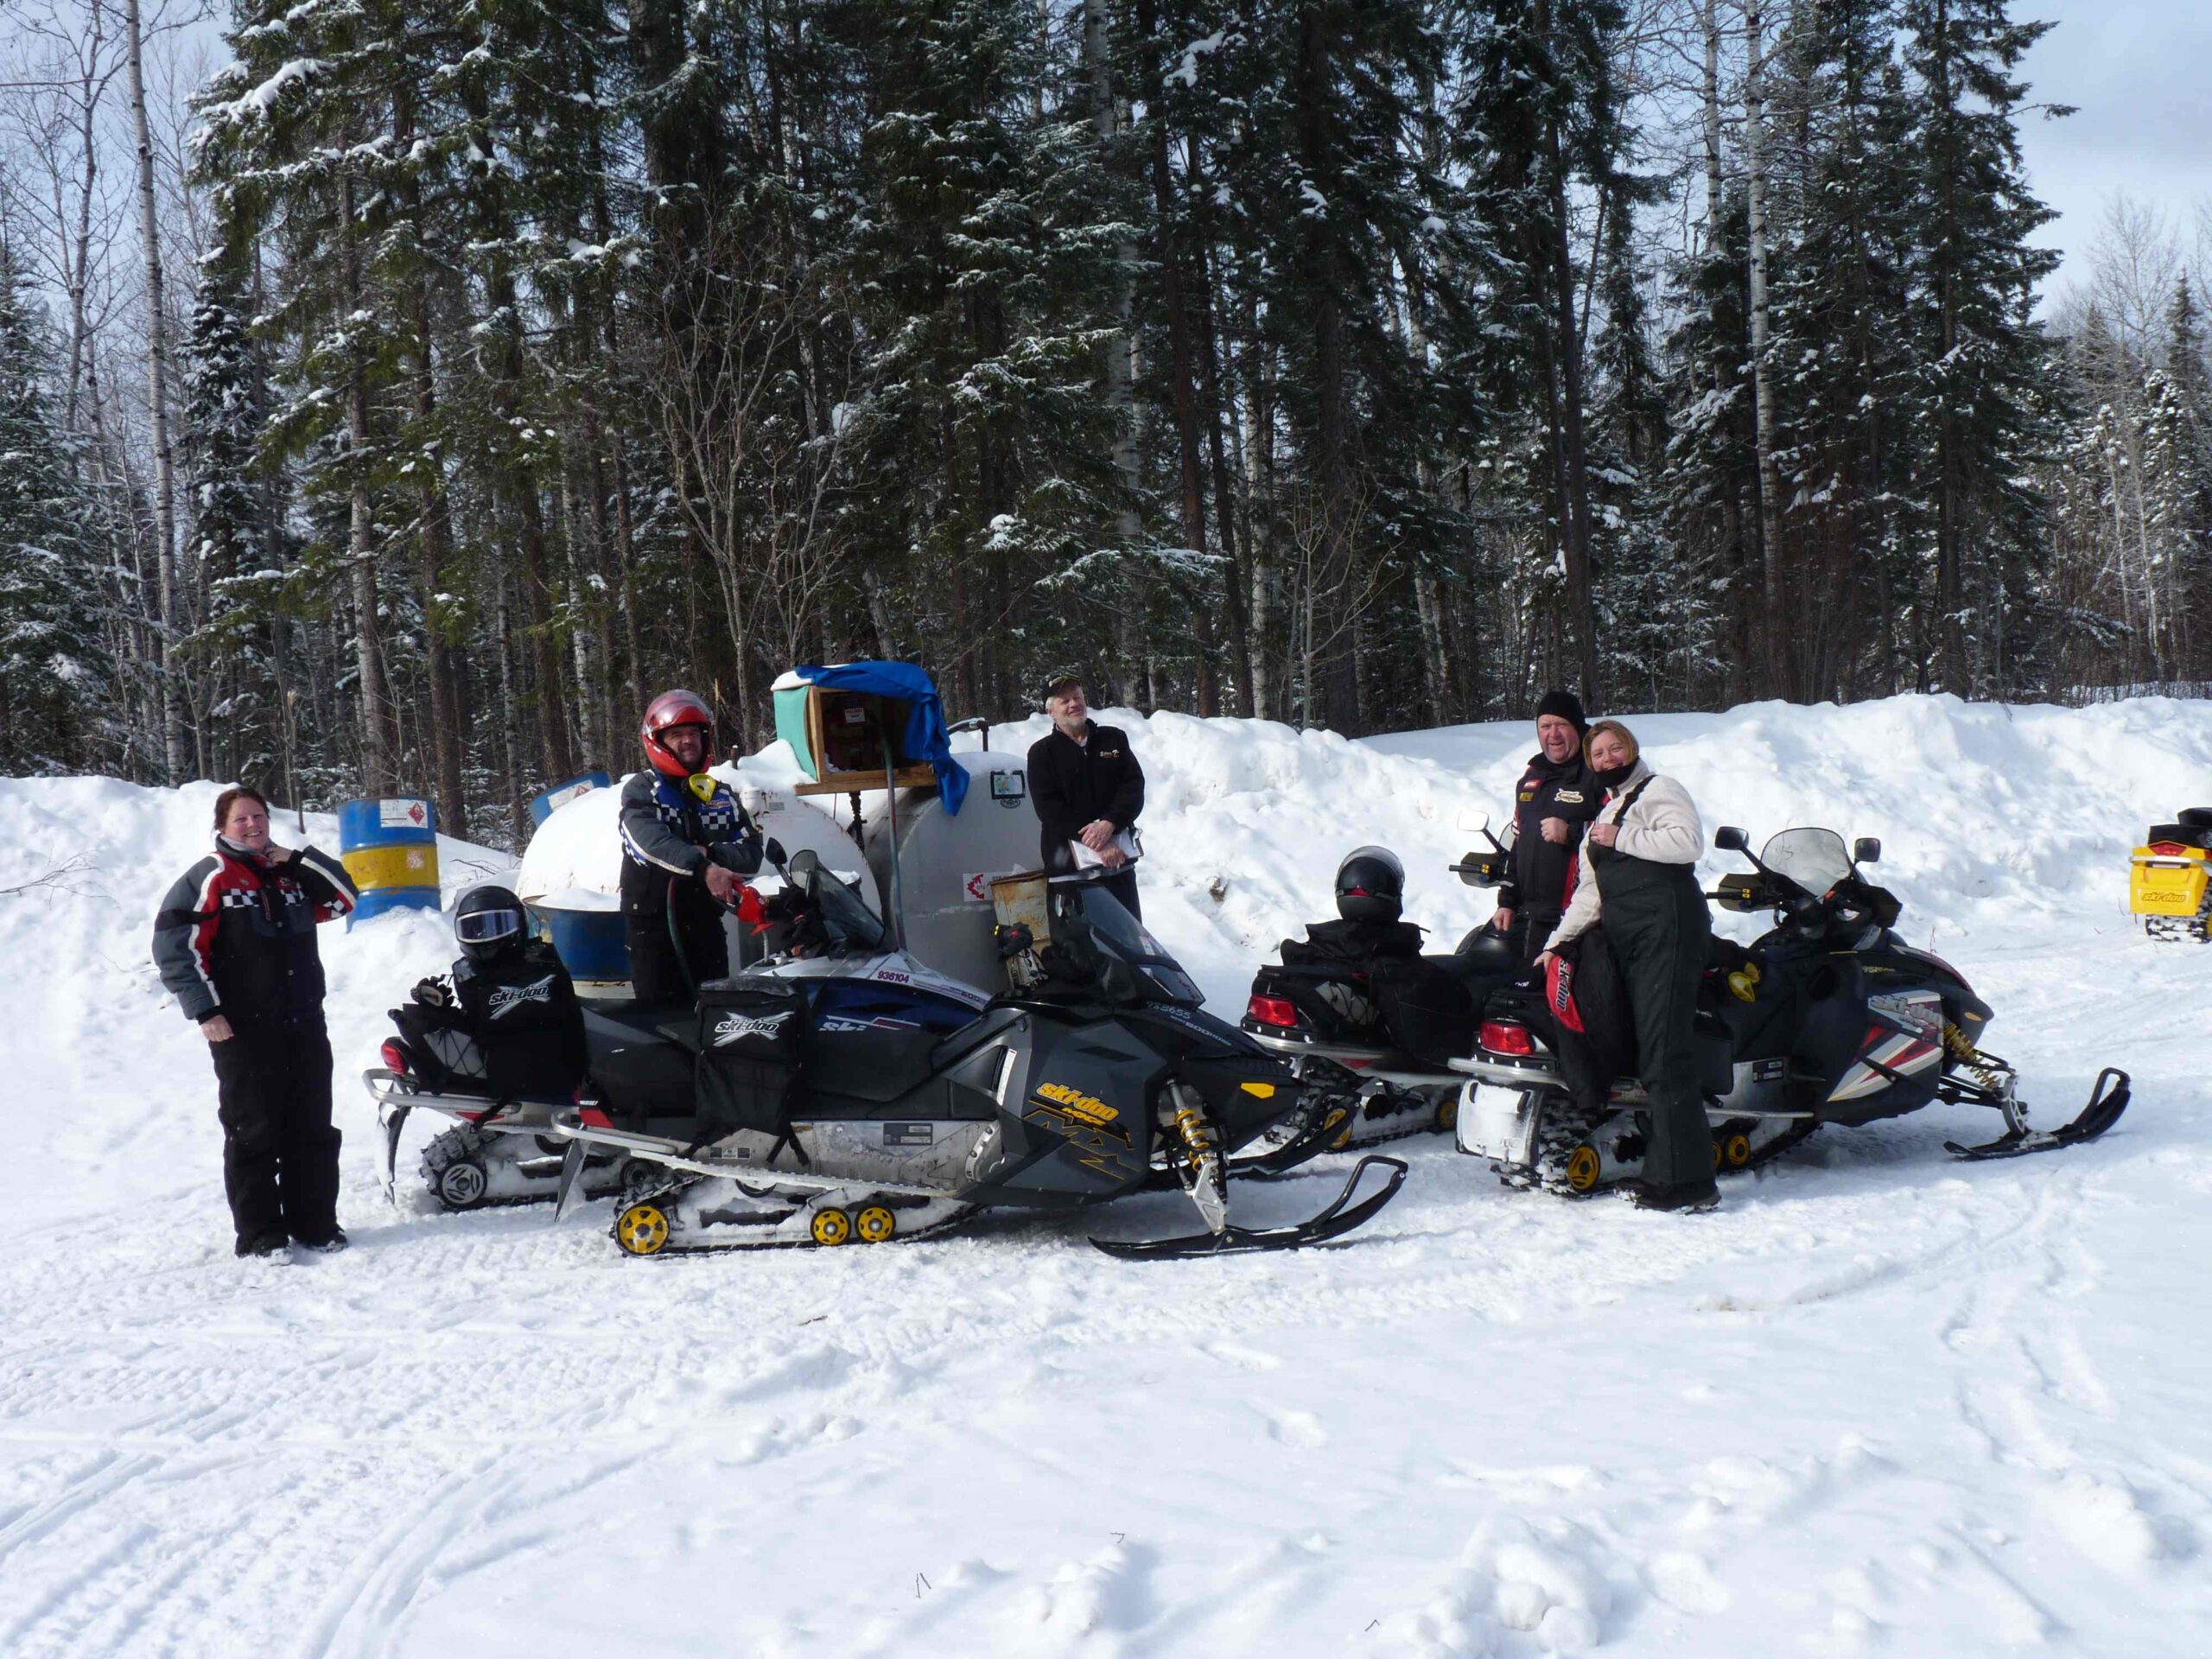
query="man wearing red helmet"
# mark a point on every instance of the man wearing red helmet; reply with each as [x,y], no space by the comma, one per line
[687,842]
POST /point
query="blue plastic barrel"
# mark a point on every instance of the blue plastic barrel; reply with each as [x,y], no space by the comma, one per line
[390,846]
[590,943]
[545,803]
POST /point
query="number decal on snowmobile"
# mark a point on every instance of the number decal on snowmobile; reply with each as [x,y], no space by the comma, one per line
[909,1135]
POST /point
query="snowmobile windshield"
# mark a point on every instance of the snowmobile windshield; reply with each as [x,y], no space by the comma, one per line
[851,925]
[1815,859]
[1130,939]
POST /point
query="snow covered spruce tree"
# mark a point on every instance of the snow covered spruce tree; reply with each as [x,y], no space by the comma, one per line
[1540,122]
[53,682]
[1842,349]
[230,552]
[1981,362]
[982,264]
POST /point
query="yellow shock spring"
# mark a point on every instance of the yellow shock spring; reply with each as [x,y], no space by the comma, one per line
[1196,1133]
[1972,1058]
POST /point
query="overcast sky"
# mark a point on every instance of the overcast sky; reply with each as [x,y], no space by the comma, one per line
[2140,71]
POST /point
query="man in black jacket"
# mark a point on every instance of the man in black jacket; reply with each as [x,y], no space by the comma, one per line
[1553,803]
[1087,788]
[685,841]
[235,943]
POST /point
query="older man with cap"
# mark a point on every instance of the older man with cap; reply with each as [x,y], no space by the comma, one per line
[1554,802]
[1087,787]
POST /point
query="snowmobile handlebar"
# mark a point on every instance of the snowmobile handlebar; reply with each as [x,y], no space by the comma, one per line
[1851,901]
[1478,869]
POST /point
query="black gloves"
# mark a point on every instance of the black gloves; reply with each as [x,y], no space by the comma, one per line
[433,992]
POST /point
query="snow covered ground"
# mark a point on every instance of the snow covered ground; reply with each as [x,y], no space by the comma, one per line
[1880,1403]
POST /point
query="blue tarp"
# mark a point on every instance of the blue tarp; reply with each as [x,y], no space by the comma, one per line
[925,737]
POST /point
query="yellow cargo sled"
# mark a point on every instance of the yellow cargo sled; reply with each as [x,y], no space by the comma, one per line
[2169,886]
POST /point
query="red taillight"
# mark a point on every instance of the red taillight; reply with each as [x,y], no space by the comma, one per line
[1272,1010]
[1504,1037]
[2168,848]
[395,1057]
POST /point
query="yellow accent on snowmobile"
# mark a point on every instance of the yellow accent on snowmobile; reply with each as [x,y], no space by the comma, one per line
[1447,1114]
[2171,882]
[876,1224]
[831,1226]
[1738,1149]
[641,1230]
[1259,1090]
[1583,1166]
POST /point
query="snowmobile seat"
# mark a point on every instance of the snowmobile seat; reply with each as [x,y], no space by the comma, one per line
[2194,817]
[2187,833]
[1486,958]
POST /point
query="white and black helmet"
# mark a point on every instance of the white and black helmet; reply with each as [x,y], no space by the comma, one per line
[487,921]
[1370,886]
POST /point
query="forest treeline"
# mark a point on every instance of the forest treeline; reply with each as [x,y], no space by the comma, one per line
[401,404]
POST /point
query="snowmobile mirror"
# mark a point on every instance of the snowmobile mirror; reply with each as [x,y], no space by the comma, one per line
[1474,822]
[1729,839]
[1867,850]
[805,868]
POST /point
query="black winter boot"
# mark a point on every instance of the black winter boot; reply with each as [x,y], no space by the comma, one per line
[1695,1199]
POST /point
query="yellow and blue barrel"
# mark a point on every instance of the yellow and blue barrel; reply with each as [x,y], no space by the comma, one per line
[389,847]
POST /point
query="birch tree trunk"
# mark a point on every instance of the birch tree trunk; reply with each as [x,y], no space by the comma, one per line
[157,402]
[1776,661]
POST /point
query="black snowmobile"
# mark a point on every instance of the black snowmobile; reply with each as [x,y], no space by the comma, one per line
[1357,1005]
[1829,1018]
[854,1094]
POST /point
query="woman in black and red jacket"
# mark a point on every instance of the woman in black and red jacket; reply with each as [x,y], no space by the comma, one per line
[235,942]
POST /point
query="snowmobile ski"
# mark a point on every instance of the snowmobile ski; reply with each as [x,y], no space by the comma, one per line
[2106,1102]
[1340,1218]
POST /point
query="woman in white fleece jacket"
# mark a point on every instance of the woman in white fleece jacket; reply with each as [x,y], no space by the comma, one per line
[1637,874]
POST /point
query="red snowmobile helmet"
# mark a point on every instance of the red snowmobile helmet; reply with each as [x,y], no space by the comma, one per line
[669,710]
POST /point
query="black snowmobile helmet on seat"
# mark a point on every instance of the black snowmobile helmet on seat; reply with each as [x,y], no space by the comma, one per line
[487,921]
[669,710]
[1370,886]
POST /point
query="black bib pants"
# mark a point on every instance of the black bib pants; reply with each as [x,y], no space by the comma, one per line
[280,1152]
[1660,931]
[1530,930]
[657,973]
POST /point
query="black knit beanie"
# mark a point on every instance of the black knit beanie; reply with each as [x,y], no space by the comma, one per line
[1566,705]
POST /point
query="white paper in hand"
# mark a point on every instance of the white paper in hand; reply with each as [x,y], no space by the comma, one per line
[1087,859]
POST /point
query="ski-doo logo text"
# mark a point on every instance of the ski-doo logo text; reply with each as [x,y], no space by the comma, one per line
[507,998]
[734,1027]
[1077,1104]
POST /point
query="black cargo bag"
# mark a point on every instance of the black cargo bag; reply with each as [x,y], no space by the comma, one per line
[751,1055]
[442,1048]
[1425,1009]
